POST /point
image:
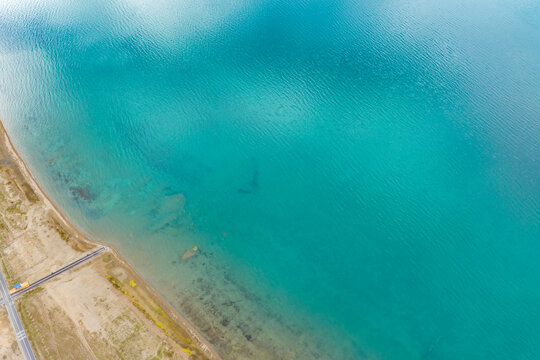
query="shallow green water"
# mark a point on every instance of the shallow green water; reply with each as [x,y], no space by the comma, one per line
[362,178]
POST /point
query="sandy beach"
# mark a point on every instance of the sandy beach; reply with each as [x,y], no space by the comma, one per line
[101,309]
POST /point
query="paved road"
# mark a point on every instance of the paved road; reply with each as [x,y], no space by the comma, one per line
[22,339]
[7,300]
[60,271]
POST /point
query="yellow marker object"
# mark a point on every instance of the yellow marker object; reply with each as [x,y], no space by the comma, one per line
[190,252]
[187,351]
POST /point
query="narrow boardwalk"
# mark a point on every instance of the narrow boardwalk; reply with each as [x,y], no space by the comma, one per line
[60,271]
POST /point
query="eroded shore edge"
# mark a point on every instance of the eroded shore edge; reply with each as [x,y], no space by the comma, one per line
[196,336]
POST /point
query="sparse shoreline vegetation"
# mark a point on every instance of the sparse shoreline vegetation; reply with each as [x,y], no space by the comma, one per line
[123,316]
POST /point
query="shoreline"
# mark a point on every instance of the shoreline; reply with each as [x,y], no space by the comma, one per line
[198,339]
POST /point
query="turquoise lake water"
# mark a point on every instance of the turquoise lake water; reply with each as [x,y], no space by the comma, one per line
[362,177]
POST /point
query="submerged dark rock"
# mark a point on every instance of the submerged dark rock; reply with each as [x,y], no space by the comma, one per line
[253,184]
[82,193]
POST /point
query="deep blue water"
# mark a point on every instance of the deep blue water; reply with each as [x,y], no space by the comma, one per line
[361,177]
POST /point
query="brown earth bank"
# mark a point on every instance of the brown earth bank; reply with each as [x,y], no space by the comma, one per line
[101,309]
